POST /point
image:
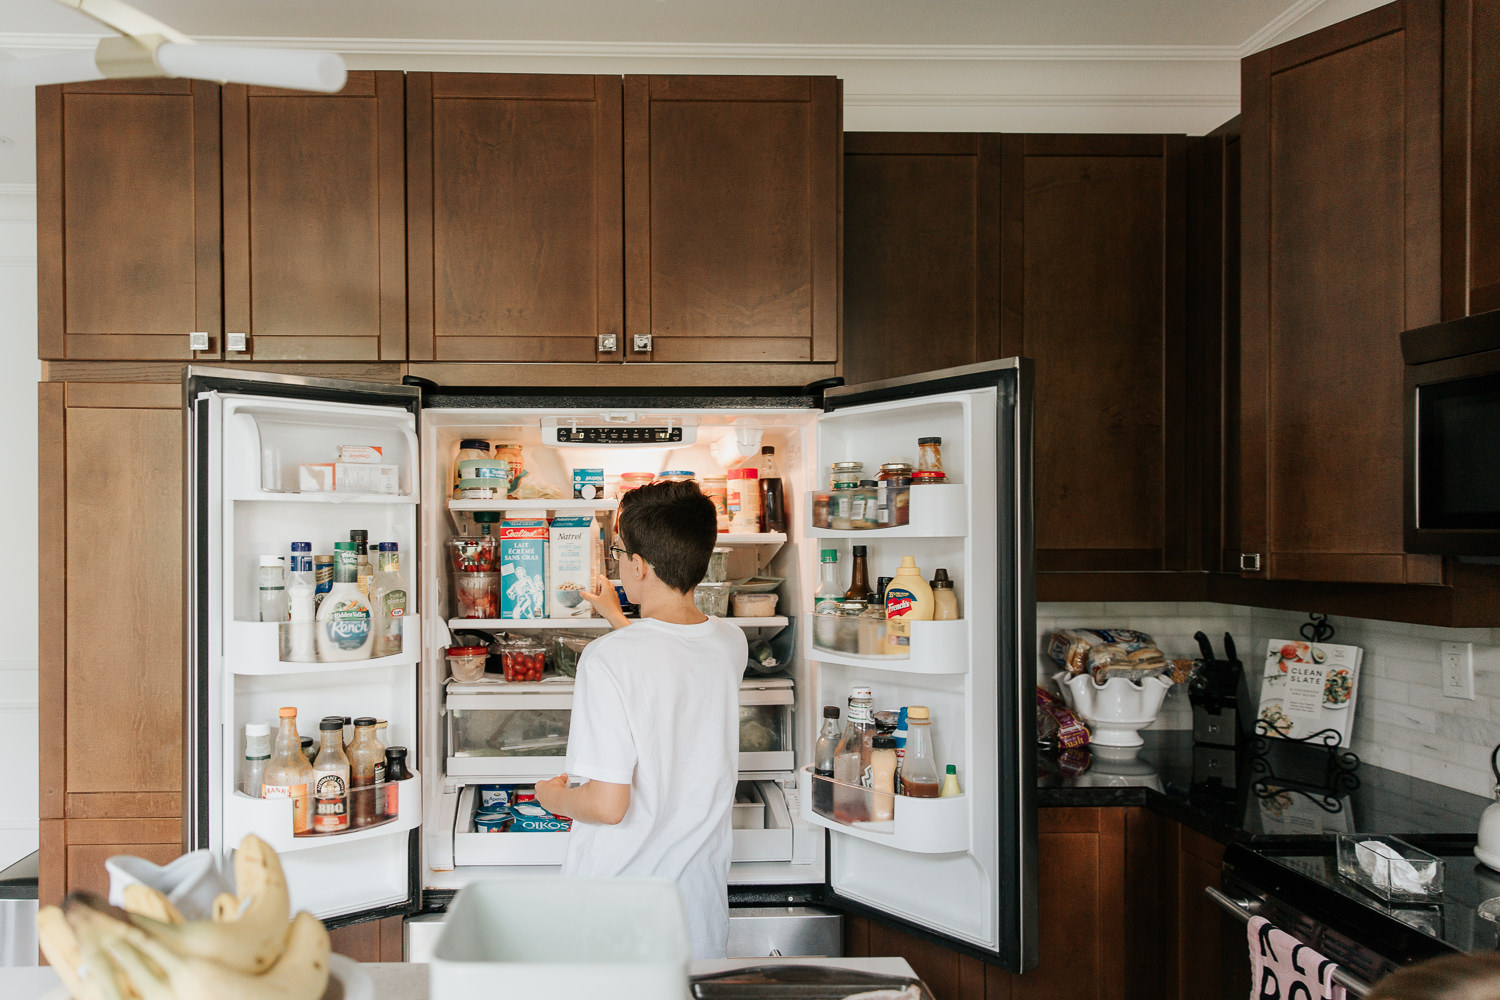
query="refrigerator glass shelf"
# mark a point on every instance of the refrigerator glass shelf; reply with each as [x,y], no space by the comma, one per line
[557,506]
[526,624]
[256,648]
[935,512]
[936,648]
[271,819]
[920,826]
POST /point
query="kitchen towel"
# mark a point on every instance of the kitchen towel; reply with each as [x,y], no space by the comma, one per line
[1283,968]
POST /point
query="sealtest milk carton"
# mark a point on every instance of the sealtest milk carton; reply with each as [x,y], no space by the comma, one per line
[572,565]
[523,568]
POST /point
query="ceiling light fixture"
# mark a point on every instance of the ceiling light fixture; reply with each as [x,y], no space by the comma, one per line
[149,48]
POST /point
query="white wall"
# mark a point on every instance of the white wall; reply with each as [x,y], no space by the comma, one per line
[1401,719]
[19,372]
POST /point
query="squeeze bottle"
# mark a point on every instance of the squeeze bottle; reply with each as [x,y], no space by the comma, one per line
[907,599]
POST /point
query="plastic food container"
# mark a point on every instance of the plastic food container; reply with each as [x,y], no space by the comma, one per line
[1390,868]
[712,598]
[466,663]
[754,605]
[493,823]
[718,566]
[523,659]
[676,476]
[472,554]
[566,649]
[478,594]
[631,480]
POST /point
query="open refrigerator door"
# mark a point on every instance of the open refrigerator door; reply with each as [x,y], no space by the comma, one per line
[960,867]
[264,472]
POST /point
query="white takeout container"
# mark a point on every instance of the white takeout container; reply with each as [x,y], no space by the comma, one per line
[564,938]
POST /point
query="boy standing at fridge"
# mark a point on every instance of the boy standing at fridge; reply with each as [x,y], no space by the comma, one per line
[654,734]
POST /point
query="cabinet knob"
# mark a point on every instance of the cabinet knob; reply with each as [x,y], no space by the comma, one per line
[641,343]
[1250,562]
[234,341]
[608,343]
[198,341]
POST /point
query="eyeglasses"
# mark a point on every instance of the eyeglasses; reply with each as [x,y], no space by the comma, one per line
[617,552]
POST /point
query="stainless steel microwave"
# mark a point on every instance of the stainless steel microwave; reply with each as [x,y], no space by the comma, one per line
[1452,455]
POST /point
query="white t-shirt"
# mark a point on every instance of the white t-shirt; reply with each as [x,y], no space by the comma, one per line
[656,707]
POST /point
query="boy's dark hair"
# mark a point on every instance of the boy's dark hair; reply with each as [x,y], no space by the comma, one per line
[674,527]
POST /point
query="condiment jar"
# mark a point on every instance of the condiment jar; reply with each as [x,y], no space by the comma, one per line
[893,494]
[866,512]
[676,476]
[841,509]
[632,480]
[716,488]
[872,629]
[846,475]
[931,457]
[944,600]
[469,450]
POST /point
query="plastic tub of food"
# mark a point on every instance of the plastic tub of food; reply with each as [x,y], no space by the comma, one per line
[712,599]
[753,605]
[466,663]
[523,659]
[477,594]
[472,553]
[566,649]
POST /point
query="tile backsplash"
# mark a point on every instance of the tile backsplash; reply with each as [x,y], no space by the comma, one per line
[1402,722]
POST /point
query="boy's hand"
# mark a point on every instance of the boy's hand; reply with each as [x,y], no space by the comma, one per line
[606,601]
[550,792]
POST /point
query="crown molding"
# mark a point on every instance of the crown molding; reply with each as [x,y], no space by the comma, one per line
[1278,24]
[27,41]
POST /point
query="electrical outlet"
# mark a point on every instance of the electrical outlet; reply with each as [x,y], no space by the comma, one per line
[1458,670]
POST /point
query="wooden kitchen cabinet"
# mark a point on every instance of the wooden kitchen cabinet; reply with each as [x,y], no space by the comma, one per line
[315,221]
[921,252]
[514,246]
[732,202]
[128,226]
[1091,287]
[1340,253]
[110,650]
[1471,157]
[1199,925]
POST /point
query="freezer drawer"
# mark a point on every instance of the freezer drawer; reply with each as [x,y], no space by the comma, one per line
[763,834]
[785,932]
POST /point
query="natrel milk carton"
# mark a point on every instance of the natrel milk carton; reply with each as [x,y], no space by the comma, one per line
[572,565]
[523,568]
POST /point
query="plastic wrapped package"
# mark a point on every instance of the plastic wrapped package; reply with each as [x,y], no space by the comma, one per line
[1105,652]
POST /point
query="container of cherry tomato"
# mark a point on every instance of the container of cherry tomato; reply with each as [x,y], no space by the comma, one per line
[522,658]
[478,594]
[472,553]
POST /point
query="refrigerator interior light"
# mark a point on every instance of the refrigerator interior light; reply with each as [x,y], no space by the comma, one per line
[731,450]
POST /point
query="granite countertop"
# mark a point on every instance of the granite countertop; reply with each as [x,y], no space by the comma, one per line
[1232,795]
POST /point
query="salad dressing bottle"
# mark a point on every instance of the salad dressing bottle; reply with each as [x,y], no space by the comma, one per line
[907,599]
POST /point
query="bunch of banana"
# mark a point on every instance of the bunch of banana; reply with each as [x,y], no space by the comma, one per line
[250,950]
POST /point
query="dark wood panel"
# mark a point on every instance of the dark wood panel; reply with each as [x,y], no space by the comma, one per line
[128,219]
[1198,919]
[1471,158]
[118,372]
[1340,195]
[124,622]
[1092,265]
[515,214]
[646,376]
[921,252]
[371,941]
[52,645]
[315,220]
[732,213]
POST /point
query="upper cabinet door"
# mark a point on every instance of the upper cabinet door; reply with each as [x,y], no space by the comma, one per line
[1093,236]
[315,222]
[514,201]
[921,252]
[1340,196]
[1471,157]
[732,218]
[128,220]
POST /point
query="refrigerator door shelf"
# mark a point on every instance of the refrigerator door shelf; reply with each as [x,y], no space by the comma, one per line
[286,434]
[271,820]
[936,648]
[936,512]
[256,649]
[919,826]
[751,538]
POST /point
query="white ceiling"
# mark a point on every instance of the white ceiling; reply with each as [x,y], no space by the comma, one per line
[972,65]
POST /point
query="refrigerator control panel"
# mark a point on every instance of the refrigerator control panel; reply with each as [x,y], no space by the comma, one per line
[619,435]
[620,428]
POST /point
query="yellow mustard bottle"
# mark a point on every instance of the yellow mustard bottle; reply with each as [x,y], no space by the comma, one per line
[907,599]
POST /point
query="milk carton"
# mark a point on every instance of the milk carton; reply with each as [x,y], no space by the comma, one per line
[571,566]
[523,568]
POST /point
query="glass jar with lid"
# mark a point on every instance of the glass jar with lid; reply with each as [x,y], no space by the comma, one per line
[633,480]
[866,512]
[893,494]
[846,475]
[676,476]
[469,450]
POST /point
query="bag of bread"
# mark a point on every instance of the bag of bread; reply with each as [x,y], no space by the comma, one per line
[1106,652]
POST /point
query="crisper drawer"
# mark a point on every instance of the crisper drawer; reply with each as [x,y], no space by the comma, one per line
[522,733]
[762,832]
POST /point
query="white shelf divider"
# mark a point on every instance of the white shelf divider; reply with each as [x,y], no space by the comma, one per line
[556,506]
[323,496]
[936,648]
[528,624]
[920,826]
[254,649]
[271,820]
